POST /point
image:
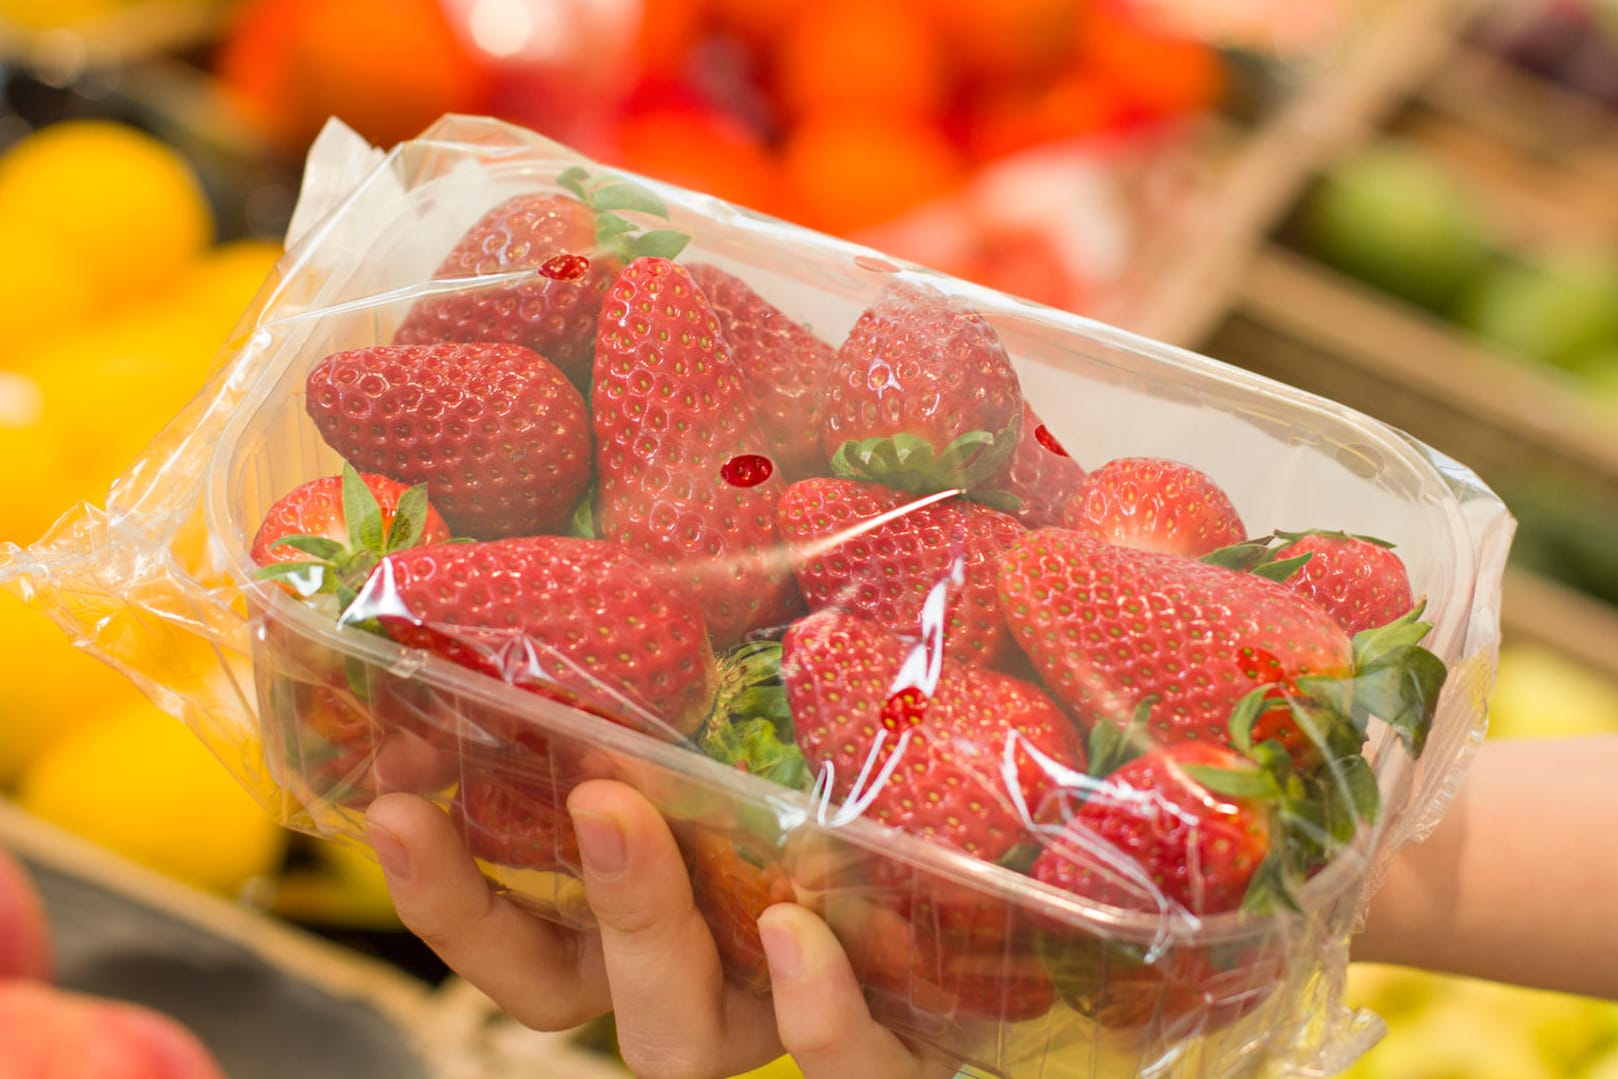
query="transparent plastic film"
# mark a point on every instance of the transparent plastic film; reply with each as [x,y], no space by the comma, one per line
[1016,647]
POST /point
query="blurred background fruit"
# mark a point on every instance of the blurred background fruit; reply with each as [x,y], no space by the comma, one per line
[137,781]
[1396,219]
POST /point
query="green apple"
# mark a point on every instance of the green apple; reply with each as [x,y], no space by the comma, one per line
[1540,693]
[1395,218]
[1560,308]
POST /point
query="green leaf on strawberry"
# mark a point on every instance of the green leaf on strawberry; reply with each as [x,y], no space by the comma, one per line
[616,234]
[369,529]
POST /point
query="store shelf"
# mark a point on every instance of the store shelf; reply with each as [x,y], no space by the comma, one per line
[1190,281]
[1306,325]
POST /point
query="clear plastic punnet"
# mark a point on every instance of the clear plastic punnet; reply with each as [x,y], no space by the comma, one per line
[1051,666]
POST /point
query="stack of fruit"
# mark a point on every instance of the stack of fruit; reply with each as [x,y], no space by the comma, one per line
[114,300]
[634,485]
[776,105]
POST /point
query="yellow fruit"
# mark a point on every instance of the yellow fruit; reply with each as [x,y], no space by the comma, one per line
[39,485]
[221,286]
[344,887]
[779,1068]
[1540,693]
[140,783]
[45,14]
[127,208]
[47,687]
[1448,1042]
[42,291]
[109,389]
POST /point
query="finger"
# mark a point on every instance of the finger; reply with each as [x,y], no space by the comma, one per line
[544,976]
[820,1011]
[674,1013]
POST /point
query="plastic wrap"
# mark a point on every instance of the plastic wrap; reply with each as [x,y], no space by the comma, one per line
[994,750]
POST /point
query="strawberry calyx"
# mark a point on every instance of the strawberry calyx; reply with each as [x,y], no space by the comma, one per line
[338,568]
[750,727]
[1257,556]
[615,234]
[911,463]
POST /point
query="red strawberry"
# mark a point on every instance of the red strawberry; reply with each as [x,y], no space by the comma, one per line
[555,317]
[1359,581]
[1107,627]
[732,886]
[575,620]
[923,396]
[1154,504]
[1157,836]
[326,534]
[574,245]
[682,468]
[985,757]
[857,692]
[879,553]
[1039,475]
[785,369]
[499,436]
[515,820]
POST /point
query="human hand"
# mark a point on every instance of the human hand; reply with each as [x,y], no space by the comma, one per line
[652,960]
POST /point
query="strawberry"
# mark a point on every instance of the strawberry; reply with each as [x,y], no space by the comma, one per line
[785,369]
[881,553]
[984,759]
[1153,504]
[1358,580]
[324,536]
[923,396]
[576,620]
[920,742]
[732,886]
[1109,627]
[682,469]
[1154,837]
[574,245]
[1039,477]
[498,435]
[515,820]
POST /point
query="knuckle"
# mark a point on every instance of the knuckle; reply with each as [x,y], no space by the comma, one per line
[658,1062]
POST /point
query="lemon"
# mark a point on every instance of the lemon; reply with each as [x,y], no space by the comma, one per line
[39,484]
[217,291]
[127,208]
[109,389]
[42,291]
[140,783]
[47,687]
[340,886]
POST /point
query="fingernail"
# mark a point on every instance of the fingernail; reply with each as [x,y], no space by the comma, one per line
[781,950]
[601,843]
[390,851]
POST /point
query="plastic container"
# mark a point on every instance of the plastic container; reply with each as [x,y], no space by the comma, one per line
[1006,974]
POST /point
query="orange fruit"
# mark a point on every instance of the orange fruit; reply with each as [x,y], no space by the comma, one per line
[1019,41]
[702,150]
[851,172]
[387,68]
[1159,73]
[1072,106]
[668,31]
[846,55]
